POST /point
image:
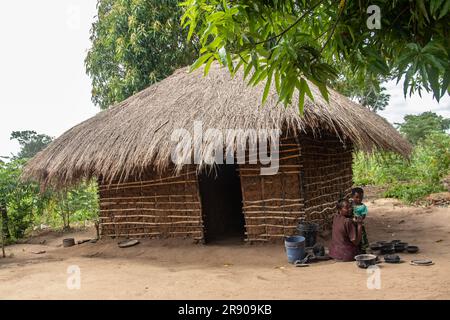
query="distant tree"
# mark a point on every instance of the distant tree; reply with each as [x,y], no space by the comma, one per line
[135,43]
[31,142]
[374,100]
[372,95]
[417,127]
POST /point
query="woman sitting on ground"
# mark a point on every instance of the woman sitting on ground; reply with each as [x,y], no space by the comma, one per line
[346,236]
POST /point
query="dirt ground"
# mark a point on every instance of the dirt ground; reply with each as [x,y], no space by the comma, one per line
[177,269]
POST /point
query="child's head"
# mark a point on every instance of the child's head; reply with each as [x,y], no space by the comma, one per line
[343,207]
[357,195]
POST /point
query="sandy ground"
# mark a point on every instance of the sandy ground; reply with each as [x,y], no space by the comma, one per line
[179,269]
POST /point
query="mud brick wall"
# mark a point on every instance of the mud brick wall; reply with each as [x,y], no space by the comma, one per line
[152,206]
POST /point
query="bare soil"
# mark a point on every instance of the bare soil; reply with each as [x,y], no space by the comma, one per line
[180,269]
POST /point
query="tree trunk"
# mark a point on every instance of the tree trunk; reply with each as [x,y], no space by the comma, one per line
[2,238]
[4,218]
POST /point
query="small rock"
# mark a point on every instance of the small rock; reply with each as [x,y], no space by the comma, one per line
[38,252]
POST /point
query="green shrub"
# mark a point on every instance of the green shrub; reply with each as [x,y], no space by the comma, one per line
[411,192]
[408,180]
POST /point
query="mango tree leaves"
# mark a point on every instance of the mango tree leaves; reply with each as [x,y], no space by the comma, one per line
[326,42]
[135,43]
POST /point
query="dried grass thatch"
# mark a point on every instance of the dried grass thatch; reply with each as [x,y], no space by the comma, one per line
[125,139]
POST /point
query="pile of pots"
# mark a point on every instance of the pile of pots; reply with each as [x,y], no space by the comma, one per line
[394,246]
[386,248]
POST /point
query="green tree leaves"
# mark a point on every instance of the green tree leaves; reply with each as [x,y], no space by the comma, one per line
[23,205]
[326,42]
[135,43]
[31,142]
[417,127]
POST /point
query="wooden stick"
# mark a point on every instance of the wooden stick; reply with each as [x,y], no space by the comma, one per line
[266,211]
[156,233]
[148,209]
[148,185]
[147,202]
[145,197]
[185,232]
[281,166]
[152,223]
[148,216]
[327,181]
[289,157]
[135,234]
[323,204]
[318,212]
[2,236]
[255,175]
[270,225]
[323,195]
[273,235]
[272,217]
[109,186]
[273,153]
[272,199]
[288,145]
[274,207]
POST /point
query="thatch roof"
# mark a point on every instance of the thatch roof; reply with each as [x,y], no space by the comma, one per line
[127,138]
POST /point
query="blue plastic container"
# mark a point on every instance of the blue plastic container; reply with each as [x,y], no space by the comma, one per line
[295,248]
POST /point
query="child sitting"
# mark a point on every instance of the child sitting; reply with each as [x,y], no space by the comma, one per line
[359,210]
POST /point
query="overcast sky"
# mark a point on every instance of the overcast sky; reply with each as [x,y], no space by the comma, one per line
[43,85]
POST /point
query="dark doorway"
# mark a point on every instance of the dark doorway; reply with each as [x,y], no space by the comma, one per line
[221,196]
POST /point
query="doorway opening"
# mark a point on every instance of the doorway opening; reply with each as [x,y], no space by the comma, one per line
[221,197]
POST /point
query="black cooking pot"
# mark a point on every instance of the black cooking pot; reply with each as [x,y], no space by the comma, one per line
[387,249]
[392,258]
[412,249]
[365,260]
[400,247]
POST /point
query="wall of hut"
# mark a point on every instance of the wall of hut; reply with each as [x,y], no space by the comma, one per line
[327,166]
[155,205]
[272,204]
[314,172]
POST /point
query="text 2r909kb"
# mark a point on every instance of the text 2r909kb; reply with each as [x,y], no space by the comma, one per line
[232,309]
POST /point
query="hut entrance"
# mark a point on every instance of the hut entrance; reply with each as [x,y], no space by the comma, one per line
[221,196]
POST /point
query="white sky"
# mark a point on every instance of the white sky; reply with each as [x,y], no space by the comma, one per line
[43,85]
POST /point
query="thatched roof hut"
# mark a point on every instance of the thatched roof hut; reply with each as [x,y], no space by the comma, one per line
[129,145]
